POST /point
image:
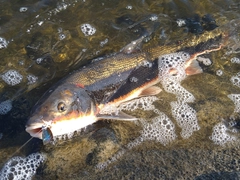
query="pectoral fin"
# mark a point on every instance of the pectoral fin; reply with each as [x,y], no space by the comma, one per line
[193,68]
[151,91]
[120,116]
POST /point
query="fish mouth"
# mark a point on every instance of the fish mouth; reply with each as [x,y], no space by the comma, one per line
[62,125]
[35,130]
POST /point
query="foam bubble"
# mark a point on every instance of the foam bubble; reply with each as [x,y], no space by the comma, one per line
[21,168]
[3,43]
[61,36]
[236,80]
[161,130]
[129,7]
[220,136]
[170,62]
[235,60]
[205,61]
[145,103]
[32,79]
[186,118]
[153,18]
[174,87]
[23,9]
[12,77]
[236,100]
[219,72]
[88,29]
[5,107]
[102,43]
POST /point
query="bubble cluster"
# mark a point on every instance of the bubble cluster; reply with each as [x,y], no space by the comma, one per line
[129,7]
[153,18]
[21,168]
[235,60]
[88,29]
[3,43]
[5,107]
[236,80]
[145,103]
[12,77]
[32,79]
[102,43]
[205,61]
[171,73]
[39,60]
[175,88]
[161,130]
[23,9]
[181,22]
[219,72]
[186,118]
[172,66]
[236,100]
[220,135]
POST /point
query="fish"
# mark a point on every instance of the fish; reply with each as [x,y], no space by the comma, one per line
[79,99]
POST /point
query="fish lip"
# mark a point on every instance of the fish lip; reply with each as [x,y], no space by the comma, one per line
[35,130]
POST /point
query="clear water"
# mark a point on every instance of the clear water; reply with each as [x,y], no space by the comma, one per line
[43,41]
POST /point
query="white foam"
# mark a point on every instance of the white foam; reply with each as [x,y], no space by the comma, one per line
[236,80]
[181,22]
[161,130]
[3,43]
[23,9]
[220,136]
[170,62]
[32,79]
[21,168]
[12,77]
[205,61]
[235,60]
[145,103]
[88,29]
[181,93]
[5,107]
[236,100]
[219,72]
[186,118]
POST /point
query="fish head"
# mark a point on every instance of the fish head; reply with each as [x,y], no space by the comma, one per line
[63,109]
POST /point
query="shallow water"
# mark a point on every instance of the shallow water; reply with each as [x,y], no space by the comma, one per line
[46,41]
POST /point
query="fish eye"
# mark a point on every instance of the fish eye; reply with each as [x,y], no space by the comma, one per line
[61,107]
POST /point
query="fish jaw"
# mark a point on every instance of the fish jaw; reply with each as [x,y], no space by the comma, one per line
[35,129]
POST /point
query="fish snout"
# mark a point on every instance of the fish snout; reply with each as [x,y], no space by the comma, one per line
[34,126]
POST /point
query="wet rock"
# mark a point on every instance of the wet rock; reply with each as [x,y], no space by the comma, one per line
[104,134]
[219,176]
